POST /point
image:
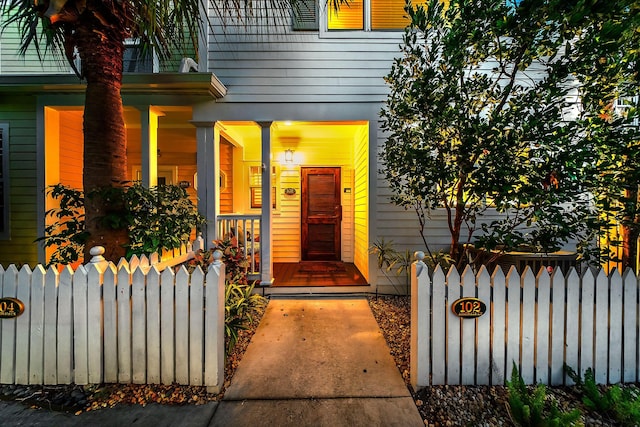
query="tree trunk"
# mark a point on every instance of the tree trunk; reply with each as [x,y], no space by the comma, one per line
[105,148]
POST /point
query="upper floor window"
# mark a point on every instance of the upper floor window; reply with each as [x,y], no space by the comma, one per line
[4,180]
[369,15]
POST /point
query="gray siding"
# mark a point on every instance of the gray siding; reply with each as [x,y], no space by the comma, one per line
[20,115]
[281,65]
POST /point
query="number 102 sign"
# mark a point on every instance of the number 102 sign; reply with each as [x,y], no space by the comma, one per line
[468,307]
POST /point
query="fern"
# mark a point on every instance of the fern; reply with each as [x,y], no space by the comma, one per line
[622,404]
[528,408]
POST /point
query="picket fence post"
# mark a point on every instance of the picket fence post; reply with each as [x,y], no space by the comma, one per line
[214,325]
[420,323]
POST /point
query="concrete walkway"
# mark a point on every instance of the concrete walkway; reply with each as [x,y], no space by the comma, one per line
[312,362]
[317,362]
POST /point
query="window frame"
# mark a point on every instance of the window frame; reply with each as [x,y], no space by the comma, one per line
[366,32]
[4,181]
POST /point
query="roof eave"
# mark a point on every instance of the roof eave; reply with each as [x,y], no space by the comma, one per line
[191,84]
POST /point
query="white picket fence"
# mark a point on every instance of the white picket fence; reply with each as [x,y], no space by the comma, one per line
[540,322]
[108,324]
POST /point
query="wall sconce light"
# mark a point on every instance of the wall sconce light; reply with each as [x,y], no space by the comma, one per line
[288,155]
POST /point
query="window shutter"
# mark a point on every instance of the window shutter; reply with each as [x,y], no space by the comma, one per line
[305,15]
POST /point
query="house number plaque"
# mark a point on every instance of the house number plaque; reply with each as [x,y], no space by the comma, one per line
[10,308]
[468,307]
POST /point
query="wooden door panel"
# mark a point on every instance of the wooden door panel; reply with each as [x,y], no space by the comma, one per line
[321,214]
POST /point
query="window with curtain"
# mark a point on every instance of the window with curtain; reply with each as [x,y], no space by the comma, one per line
[384,14]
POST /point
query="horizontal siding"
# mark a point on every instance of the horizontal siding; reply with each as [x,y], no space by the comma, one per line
[361,204]
[275,64]
[20,115]
[11,62]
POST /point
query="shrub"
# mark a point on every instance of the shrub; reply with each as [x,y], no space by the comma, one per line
[156,218]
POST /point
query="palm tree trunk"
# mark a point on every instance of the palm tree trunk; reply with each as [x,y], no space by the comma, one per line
[105,146]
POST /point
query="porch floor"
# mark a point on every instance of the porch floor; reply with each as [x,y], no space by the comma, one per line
[317,273]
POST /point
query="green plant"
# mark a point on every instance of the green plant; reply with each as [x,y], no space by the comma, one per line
[478,120]
[622,404]
[66,233]
[239,308]
[154,218]
[158,218]
[530,408]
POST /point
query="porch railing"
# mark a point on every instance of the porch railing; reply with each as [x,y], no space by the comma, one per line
[246,229]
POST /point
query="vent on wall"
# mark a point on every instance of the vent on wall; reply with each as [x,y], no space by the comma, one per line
[305,15]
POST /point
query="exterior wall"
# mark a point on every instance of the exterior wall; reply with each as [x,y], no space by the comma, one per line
[361,197]
[19,114]
[11,62]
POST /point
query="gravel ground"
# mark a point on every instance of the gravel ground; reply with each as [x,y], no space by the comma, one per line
[438,405]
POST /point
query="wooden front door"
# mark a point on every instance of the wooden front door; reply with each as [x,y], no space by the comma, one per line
[321,214]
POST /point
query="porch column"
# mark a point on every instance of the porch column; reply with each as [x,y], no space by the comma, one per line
[266,264]
[208,168]
[149,141]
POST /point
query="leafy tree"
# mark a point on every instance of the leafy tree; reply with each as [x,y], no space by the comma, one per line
[482,114]
[97,29]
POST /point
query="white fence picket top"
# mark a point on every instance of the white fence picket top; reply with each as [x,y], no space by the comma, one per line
[134,262]
[513,318]
[153,326]
[94,324]
[23,293]
[420,294]
[214,325]
[558,304]
[7,351]
[123,310]
[528,313]
[51,327]
[543,323]
[80,333]
[439,343]
[483,325]
[629,329]
[498,319]
[540,322]
[65,326]
[615,327]
[601,353]
[587,288]
[138,327]
[453,328]
[110,321]
[167,326]
[468,326]
[196,327]
[182,327]
[36,332]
